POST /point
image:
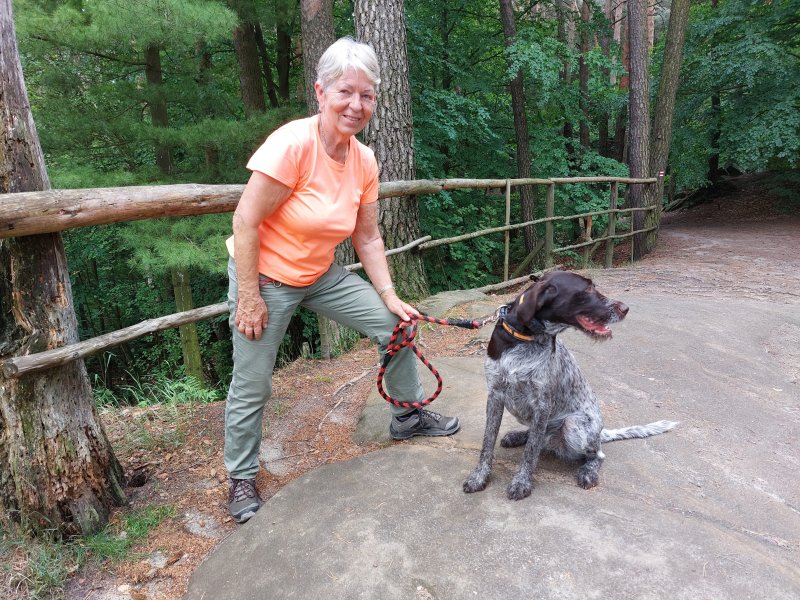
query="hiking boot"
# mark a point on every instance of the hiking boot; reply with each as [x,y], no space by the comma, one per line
[422,422]
[243,499]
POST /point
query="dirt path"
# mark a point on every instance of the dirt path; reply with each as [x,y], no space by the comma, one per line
[744,246]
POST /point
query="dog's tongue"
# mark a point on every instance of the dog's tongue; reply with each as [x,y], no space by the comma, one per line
[590,325]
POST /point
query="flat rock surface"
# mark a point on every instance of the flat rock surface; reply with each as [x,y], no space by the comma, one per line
[709,510]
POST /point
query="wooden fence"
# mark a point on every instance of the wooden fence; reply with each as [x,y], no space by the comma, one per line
[30,213]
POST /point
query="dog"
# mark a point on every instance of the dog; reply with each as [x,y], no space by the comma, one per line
[530,373]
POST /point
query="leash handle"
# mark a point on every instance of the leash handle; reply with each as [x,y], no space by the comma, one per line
[407,339]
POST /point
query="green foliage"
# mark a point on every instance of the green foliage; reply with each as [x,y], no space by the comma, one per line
[84,64]
[156,390]
[34,568]
[116,540]
[746,54]
[785,186]
[37,568]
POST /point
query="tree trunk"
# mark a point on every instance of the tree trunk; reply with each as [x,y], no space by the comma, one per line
[620,131]
[665,100]
[638,138]
[566,35]
[446,24]
[668,86]
[205,63]
[266,67]
[603,139]
[250,88]
[520,129]
[57,469]
[316,28]
[158,105]
[190,343]
[583,72]
[714,131]
[284,36]
[390,134]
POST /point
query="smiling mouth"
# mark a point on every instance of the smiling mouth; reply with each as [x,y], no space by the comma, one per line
[593,328]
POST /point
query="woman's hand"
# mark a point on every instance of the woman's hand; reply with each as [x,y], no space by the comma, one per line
[398,307]
[261,197]
[251,316]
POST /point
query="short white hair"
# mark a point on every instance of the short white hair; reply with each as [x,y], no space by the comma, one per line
[345,54]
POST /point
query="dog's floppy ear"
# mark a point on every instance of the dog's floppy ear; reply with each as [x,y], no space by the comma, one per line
[533,299]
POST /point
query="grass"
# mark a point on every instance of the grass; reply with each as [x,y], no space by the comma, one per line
[34,568]
[158,390]
[115,541]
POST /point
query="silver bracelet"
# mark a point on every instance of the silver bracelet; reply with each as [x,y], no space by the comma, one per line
[385,289]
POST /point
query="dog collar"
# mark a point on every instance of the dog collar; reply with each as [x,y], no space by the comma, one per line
[514,333]
[510,330]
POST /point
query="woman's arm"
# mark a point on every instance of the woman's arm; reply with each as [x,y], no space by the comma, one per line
[368,244]
[261,197]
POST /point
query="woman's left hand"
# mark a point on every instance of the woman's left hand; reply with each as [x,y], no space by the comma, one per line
[398,307]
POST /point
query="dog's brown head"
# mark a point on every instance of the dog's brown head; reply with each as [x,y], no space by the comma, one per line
[565,298]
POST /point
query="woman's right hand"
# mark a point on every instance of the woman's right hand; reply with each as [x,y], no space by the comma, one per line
[261,197]
[251,316]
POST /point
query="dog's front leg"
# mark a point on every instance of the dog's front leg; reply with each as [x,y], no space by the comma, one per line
[522,483]
[494,415]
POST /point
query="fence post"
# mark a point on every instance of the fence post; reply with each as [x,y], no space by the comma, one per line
[612,225]
[508,233]
[548,226]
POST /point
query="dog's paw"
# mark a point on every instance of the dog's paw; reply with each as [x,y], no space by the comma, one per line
[587,478]
[476,482]
[517,490]
[515,439]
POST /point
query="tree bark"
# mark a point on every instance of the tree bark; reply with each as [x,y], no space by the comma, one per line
[527,199]
[668,85]
[57,469]
[639,110]
[665,100]
[205,63]
[158,105]
[250,88]
[390,134]
[266,67]
[284,47]
[583,73]
[158,110]
[714,130]
[620,130]
[565,13]
[190,343]
[316,29]
[603,140]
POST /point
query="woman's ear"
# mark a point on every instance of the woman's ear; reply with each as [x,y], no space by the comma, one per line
[320,91]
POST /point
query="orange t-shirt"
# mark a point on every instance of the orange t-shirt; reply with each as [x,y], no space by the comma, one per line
[298,240]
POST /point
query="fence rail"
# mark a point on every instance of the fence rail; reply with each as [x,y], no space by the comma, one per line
[29,213]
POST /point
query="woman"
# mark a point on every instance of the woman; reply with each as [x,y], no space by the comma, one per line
[313,184]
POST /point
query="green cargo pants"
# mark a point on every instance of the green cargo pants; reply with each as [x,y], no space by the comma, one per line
[338,295]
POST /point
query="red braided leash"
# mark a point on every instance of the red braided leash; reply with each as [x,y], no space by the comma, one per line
[407,335]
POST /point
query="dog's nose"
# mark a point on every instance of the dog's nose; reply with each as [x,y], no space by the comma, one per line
[622,309]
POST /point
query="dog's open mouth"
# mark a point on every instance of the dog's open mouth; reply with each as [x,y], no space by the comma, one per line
[593,328]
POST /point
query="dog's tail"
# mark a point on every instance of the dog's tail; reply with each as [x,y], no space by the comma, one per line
[636,431]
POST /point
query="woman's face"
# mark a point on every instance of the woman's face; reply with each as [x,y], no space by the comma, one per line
[346,105]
